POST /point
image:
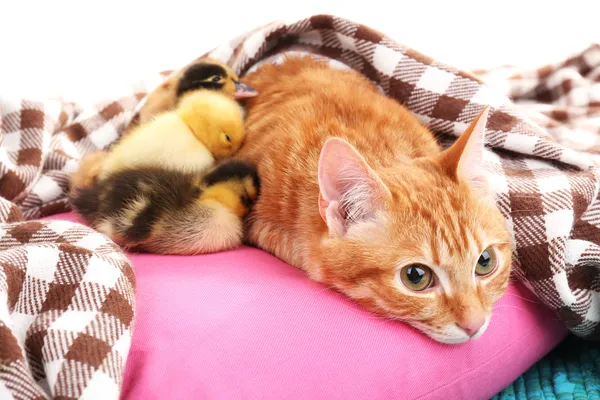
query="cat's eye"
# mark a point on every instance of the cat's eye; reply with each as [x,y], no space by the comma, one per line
[487,262]
[416,277]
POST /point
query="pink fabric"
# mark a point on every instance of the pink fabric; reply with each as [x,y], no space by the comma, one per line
[243,324]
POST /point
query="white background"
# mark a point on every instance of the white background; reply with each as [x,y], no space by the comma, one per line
[84,49]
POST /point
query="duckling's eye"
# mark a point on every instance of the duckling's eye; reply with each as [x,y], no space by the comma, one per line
[487,262]
[416,277]
[227,138]
[216,79]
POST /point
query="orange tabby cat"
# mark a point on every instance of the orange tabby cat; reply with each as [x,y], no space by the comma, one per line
[359,195]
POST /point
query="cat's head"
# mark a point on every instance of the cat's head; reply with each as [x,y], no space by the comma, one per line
[422,242]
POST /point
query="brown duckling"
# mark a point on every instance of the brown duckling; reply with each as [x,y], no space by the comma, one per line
[204,73]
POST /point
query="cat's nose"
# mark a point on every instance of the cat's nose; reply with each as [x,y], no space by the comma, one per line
[472,323]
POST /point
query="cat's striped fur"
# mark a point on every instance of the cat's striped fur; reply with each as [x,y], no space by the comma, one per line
[356,192]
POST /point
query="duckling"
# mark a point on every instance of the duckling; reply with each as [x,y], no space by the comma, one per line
[157,210]
[202,74]
[205,73]
[204,127]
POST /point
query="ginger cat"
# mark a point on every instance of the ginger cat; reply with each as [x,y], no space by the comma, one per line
[358,194]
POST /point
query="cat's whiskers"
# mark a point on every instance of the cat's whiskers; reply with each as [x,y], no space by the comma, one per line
[483,217]
[552,317]
[327,288]
[380,315]
[509,306]
[523,211]
[523,298]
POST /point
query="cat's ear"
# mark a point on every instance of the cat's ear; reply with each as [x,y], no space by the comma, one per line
[349,190]
[464,159]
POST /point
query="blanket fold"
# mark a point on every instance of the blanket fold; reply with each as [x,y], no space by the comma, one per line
[543,160]
[66,312]
[66,292]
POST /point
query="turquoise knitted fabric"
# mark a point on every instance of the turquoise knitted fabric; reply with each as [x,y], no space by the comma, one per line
[570,372]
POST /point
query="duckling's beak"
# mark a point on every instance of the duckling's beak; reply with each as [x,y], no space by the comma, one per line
[243,91]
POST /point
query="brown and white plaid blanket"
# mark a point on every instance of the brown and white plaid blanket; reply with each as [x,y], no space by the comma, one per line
[66,312]
[66,293]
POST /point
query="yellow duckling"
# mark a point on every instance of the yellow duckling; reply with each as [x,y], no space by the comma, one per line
[204,127]
[204,74]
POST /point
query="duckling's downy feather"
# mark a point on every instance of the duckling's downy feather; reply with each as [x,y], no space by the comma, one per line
[199,74]
[205,126]
[171,212]
[195,77]
[165,142]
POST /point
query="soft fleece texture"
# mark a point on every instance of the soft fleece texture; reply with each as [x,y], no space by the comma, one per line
[243,324]
[570,372]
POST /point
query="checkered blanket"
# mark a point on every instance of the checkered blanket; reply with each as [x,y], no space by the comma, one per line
[66,292]
[66,312]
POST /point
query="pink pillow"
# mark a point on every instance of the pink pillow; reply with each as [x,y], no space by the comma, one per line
[243,324]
